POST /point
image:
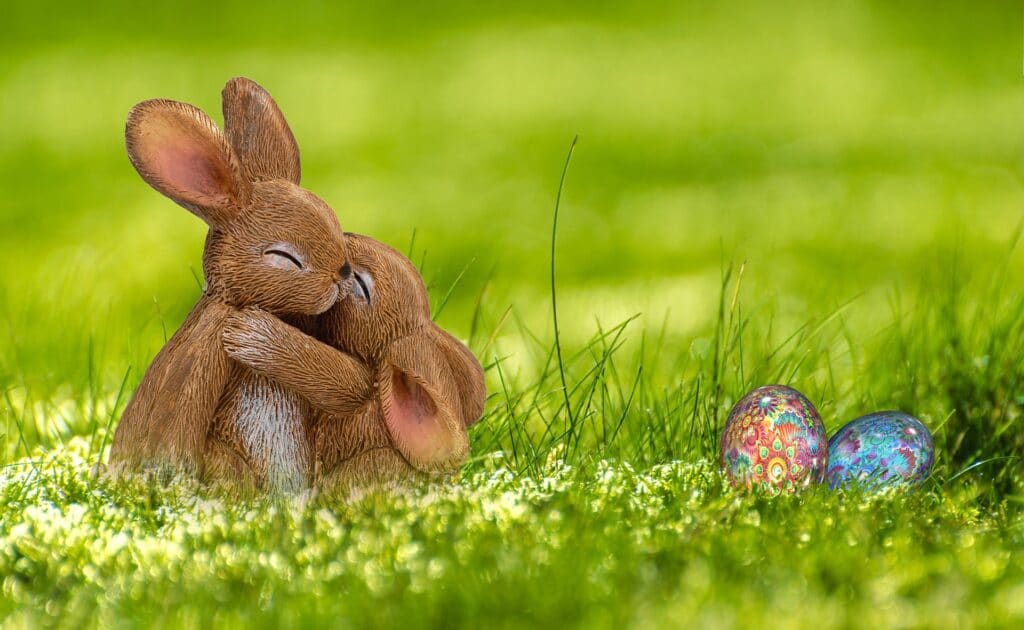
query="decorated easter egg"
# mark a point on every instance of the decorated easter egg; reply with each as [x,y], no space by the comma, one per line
[774,438]
[881,449]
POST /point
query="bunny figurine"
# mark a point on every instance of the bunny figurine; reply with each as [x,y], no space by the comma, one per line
[393,393]
[271,244]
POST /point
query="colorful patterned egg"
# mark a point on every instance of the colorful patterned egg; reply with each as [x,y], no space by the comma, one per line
[881,449]
[774,438]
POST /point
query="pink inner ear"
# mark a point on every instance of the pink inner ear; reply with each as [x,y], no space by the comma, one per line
[413,421]
[191,169]
[192,166]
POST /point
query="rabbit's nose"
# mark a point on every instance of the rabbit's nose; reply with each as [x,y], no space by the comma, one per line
[342,274]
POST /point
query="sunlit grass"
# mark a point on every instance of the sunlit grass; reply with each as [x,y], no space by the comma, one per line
[670,545]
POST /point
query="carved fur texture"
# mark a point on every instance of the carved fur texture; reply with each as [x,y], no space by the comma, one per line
[391,393]
[272,245]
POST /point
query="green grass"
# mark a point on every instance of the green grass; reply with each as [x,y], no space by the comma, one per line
[825,197]
[672,545]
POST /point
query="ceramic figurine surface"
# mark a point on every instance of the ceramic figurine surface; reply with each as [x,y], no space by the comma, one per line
[393,392]
[271,245]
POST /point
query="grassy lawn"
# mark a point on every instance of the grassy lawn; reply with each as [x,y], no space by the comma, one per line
[830,198]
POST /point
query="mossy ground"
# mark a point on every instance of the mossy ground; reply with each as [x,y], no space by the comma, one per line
[672,545]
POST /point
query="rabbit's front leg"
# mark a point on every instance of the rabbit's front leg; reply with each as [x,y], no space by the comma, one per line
[331,380]
[225,467]
[167,421]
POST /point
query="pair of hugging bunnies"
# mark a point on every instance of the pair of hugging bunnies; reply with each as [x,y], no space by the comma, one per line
[311,360]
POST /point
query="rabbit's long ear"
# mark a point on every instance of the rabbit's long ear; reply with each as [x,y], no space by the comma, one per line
[259,133]
[180,152]
[469,376]
[421,403]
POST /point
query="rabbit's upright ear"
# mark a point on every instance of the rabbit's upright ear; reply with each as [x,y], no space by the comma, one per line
[180,152]
[257,130]
[421,402]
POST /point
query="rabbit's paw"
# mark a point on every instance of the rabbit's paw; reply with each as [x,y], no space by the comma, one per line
[248,334]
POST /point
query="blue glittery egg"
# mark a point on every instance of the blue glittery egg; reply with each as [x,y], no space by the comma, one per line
[881,449]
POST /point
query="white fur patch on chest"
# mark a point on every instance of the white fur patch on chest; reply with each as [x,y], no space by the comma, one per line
[270,425]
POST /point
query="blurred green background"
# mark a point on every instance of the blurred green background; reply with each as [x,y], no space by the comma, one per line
[852,152]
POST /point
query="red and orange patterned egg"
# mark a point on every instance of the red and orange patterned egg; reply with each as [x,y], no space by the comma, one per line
[774,438]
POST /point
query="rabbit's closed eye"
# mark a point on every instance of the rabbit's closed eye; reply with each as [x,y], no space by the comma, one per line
[283,256]
[362,289]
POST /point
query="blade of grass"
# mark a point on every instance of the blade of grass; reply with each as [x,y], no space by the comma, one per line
[554,293]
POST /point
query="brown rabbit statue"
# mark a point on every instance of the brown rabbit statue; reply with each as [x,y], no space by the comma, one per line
[403,406]
[271,244]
